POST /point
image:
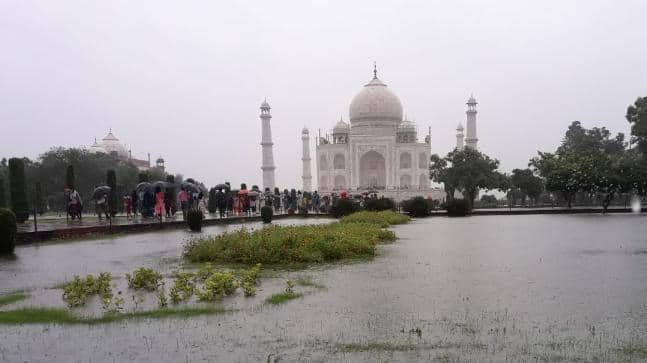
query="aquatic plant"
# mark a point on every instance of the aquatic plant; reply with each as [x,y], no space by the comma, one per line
[183,287]
[162,300]
[219,284]
[144,278]
[77,291]
[274,245]
[384,218]
[282,297]
[12,298]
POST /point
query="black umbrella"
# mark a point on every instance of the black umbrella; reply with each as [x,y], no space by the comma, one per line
[190,187]
[101,191]
[161,184]
[222,186]
[143,187]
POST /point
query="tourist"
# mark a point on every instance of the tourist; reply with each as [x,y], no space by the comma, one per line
[128,205]
[168,203]
[221,203]
[316,201]
[159,202]
[201,203]
[74,203]
[134,202]
[183,197]
[101,206]
[229,196]
[286,201]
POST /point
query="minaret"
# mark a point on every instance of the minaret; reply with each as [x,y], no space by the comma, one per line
[307,176]
[459,137]
[470,138]
[266,144]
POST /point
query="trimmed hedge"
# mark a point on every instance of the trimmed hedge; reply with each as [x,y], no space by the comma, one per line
[8,230]
[344,207]
[17,189]
[416,207]
[379,204]
[194,219]
[267,213]
[457,208]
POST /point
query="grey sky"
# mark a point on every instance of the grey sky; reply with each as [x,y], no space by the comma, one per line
[184,79]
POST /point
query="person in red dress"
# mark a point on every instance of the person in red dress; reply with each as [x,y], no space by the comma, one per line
[160,208]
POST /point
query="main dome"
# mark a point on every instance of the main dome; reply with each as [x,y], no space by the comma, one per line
[375,104]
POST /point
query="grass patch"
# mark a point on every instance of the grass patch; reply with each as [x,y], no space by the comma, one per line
[12,298]
[383,219]
[288,245]
[634,351]
[62,316]
[282,297]
[376,346]
[308,282]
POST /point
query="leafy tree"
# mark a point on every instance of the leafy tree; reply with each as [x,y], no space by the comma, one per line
[468,171]
[69,177]
[17,189]
[588,160]
[38,199]
[143,178]
[637,117]
[111,181]
[527,184]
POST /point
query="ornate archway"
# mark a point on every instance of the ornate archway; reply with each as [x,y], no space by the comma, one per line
[372,170]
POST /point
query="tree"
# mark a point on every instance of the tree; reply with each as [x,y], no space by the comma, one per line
[588,160]
[69,177]
[143,177]
[3,199]
[637,117]
[111,181]
[38,199]
[17,189]
[527,183]
[468,171]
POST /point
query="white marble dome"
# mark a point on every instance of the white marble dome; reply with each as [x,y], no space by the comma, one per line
[112,145]
[375,102]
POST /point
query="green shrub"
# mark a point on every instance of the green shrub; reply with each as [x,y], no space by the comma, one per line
[144,278]
[77,291]
[183,287]
[379,204]
[194,219]
[17,189]
[289,244]
[267,213]
[343,207]
[8,230]
[219,284]
[416,207]
[382,219]
[457,208]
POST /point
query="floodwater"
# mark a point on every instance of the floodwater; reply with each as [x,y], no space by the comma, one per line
[484,288]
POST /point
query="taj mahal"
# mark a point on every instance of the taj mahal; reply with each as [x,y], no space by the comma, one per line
[378,150]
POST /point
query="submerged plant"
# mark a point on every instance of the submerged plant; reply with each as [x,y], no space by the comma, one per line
[144,278]
[183,287]
[162,301]
[219,284]
[77,291]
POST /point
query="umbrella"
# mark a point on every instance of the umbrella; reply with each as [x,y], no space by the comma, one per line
[162,185]
[190,187]
[100,191]
[222,186]
[143,187]
[253,193]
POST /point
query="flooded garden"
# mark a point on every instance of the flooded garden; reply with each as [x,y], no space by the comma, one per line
[536,288]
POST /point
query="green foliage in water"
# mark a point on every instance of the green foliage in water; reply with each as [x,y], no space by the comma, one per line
[77,291]
[144,278]
[183,287]
[218,285]
[8,230]
[12,298]
[383,219]
[284,296]
[267,213]
[274,245]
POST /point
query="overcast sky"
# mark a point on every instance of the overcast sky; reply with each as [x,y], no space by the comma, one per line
[185,79]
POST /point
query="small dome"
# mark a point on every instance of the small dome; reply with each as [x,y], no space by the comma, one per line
[472,100]
[375,102]
[265,104]
[305,131]
[96,148]
[406,125]
[459,127]
[341,126]
[111,145]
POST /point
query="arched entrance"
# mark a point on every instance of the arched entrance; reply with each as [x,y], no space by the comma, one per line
[372,170]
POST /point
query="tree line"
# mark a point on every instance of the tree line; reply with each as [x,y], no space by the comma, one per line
[590,164]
